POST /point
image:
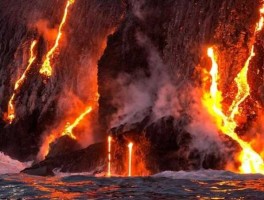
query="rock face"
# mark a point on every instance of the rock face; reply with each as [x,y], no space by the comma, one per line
[150,43]
[86,160]
[42,104]
[163,145]
[62,146]
[180,31]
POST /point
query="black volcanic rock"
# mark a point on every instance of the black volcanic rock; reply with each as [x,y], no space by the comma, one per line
[166,145]
[62,146]
[86,160]
[158,146]
[180,31]
[37,102]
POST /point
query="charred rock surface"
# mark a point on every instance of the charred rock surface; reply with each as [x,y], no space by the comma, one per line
[181,31]
[159,146]
[63,146]
[165,145]
[37,102]
[86,160]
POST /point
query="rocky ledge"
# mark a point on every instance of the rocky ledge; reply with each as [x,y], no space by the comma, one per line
[158,146]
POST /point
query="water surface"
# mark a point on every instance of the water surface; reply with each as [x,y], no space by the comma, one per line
[167,185]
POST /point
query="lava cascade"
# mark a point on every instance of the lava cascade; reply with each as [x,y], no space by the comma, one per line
[68,130]
[69,127]
[109,156]
[251,161]
[46,68]
[130,150]
[11,115]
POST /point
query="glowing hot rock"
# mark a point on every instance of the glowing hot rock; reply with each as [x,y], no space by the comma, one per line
[68,130]
[46,68]
[69,127]
[109,156]
[130,149]
[251,161]
[11,108]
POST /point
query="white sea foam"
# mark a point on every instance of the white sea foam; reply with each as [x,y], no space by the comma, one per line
[207,175]
[60,174]
[96,173]
[11,166]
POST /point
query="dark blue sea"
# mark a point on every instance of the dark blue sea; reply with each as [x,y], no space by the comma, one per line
[204,184]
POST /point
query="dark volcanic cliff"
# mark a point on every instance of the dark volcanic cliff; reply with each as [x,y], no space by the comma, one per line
[180,31]
[154,55]
[38,103]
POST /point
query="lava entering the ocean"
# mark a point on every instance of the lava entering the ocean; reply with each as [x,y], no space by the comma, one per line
[130,151]
[109,156]
[11,114]
[46,68]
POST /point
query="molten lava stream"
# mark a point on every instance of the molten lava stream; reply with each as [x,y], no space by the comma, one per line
[11,108]
[46,68]
[251,161]
[68,130]
[109,156]
[130,150]
[69,127]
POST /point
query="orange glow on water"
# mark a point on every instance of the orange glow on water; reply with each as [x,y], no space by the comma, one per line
[46,68]
[11,115]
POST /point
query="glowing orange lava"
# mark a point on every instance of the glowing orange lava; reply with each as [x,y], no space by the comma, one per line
[130,149]
[251,161]
[109,156]
[46,68]
[69,127]
[68,130]
[11,108]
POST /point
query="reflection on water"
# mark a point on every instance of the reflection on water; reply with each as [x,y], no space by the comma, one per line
[84,187]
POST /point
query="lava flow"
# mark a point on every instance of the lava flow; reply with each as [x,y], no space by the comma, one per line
[46,68]
[68,130]
[109,156]
[11,108]
[69,127]
[251,161]
[130,149]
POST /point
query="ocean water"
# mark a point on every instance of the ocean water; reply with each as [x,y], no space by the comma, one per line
[203,184]
[167,185]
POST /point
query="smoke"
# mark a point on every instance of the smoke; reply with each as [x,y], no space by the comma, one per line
[139,92]
[203,127]
[165,94]
[137,6]
[44,29]
[71,106]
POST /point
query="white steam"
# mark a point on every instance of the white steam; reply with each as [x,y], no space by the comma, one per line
[165,94]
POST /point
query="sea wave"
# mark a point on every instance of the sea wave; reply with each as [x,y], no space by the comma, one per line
[207,175]
[11,166]
[60,174]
